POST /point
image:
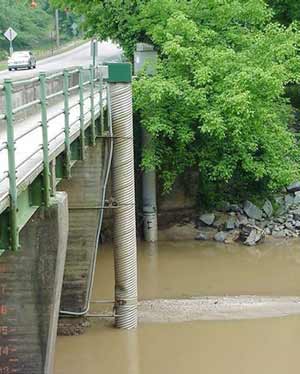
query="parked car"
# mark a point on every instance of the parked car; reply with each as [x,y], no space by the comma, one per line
[21,60]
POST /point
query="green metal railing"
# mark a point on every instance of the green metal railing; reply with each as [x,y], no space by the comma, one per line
[90,86]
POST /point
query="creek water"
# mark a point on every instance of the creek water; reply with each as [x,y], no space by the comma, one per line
[184,269]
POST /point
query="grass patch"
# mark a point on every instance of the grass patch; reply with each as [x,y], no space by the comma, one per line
[47,50]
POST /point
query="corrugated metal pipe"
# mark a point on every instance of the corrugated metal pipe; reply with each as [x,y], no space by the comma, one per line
[125,254]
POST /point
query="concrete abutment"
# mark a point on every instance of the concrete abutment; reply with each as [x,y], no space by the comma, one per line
[30,288]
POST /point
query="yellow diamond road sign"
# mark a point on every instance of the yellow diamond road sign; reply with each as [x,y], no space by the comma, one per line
[10,34]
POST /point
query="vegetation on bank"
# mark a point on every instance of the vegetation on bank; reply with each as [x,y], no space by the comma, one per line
[218,102]
[285,11]
[35,26]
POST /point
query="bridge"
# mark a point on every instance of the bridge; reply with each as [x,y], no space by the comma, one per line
[60,134]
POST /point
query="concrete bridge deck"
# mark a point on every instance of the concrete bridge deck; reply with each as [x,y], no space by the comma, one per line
[48,122]
[33,141]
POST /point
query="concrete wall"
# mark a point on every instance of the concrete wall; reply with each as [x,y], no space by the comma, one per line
[180,202]
[85,194]
[27,93]
[30,287]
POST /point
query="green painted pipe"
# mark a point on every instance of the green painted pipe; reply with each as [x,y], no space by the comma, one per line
[81,105]
[93,121]
[14,230]
[67,123]
[101,103]
[44,122]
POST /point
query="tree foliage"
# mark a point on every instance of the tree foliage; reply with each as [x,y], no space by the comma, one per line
[33,26]
[217,102]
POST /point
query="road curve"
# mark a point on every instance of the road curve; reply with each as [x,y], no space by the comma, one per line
[77,56]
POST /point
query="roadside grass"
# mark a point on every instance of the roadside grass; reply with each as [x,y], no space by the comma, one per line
[48,50]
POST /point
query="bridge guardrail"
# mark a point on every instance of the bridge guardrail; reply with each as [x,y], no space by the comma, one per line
[86,90]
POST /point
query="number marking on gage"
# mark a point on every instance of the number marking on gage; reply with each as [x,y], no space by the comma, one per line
[8,317]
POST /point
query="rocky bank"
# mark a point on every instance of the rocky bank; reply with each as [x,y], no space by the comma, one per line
[246,222]
[250,223]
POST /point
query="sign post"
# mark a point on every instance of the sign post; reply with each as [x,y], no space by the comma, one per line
[10,35]
[94,50]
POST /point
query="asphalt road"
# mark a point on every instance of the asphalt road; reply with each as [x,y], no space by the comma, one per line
[75,57]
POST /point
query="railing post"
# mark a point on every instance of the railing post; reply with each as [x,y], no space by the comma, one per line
[92,76]
[108,109]
[44,122]
[101,102]
[14,230]
[81,104]
[67,123]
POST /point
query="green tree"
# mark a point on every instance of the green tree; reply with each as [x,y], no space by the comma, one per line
[217,102]
[32,25]
[118,20]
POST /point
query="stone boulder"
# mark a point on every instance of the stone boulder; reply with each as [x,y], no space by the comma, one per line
[252,210]
[268,208]
[221,236]
[242,220]
[201,236]
[207,218]
[255,236]
[206,233]
[289,200]
[232,237]
[220,221]
[296,214]
[234,208]
[289,226]
[297,197]
[251,234]
[294,187]
[231,223]
[268,231]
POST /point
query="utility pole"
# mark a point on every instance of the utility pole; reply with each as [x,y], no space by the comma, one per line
[57,28]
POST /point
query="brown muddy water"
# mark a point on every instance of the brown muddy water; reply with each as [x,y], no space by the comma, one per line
[181,270]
